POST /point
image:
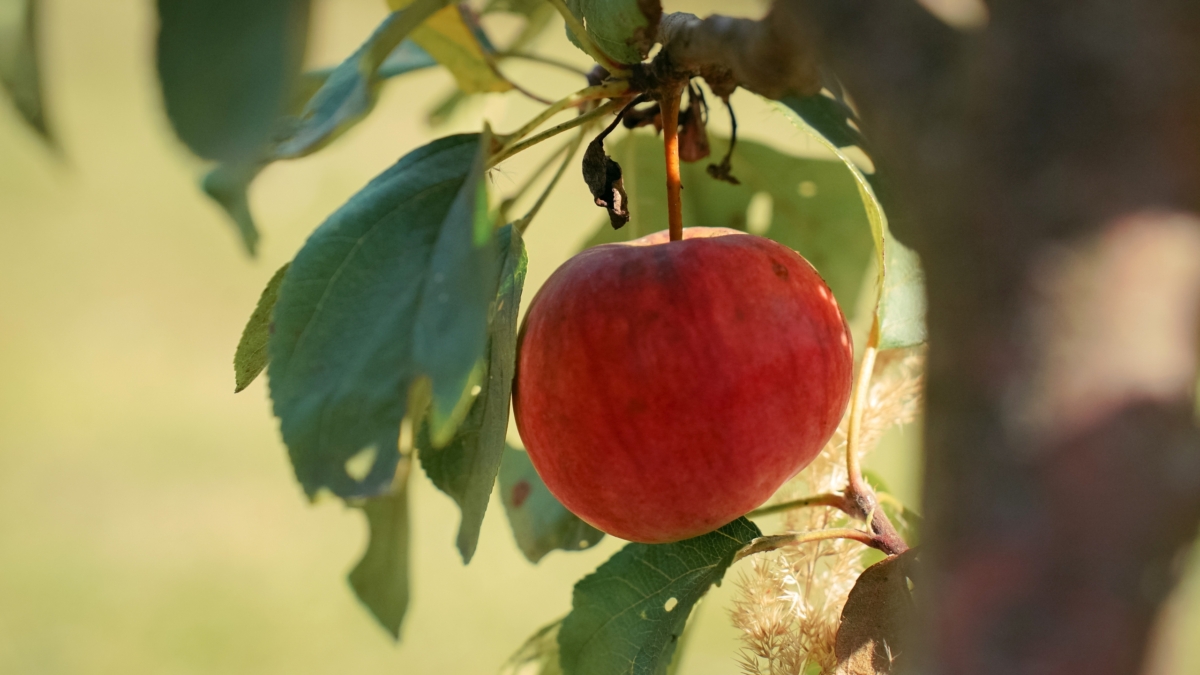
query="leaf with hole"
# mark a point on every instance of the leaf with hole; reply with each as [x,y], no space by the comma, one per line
[20,65]
[624,30]
[809,205]
[466,467]
[627,615]
[381,577]
[540,523]
[392,289]
[251,356]
[227,70]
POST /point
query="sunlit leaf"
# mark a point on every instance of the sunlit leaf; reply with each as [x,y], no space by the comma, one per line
[627,615]
[872,638]
[251,356]
[624,30]
[810,205]
[466,467]
[540,523]
[19,62]
[449,36]
[227,70]
[901,301]
[380,579]
[393,288]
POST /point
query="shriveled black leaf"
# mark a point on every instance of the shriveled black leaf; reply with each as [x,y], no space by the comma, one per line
[603,177]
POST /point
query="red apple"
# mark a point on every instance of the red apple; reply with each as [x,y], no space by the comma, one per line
[665,388]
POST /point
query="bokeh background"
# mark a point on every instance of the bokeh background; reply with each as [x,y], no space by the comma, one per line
[149,520]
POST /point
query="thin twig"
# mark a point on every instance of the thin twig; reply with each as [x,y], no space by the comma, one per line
[828,499]
[596,113]
[572,148]
[777,541]
[544,60]
[609,90]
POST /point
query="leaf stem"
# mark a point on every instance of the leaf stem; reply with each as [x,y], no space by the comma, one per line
[608,90]
[544,60]
[571,148]
[858,406]
[575,26]
[670,118]
[777,541]
[509,151]
[828,499]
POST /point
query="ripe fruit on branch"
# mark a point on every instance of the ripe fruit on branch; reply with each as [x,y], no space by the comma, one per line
[665,388]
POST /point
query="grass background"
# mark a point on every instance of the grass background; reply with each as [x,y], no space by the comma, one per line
[149,521]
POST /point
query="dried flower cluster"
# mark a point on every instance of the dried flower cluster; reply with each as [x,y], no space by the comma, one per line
[790,602]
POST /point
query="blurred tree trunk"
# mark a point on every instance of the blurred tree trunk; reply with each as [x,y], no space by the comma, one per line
[1047,169]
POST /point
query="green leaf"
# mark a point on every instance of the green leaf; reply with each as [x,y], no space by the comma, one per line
[251,355]
[627,615]
[539,654]
[815,207]
[624,30]
[229,183]
[19,63]
[227,69]
[466,467]
[393,288]
[900,305]
[540,523]
[380,579]
[350,91]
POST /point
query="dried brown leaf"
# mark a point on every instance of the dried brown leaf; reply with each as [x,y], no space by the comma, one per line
[876,618]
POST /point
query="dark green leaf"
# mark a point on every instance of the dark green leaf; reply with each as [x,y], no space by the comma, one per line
[227,69]
[466,467]
[19,63]
[228,183]
[902,306]
[539,654]
[393,288]
[627,616]
[623,29]
[251,355]
[380,579]
[540,523]
[350,90]
[815,204]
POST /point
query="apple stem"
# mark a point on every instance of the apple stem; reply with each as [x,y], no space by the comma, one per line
[670,120]
[858,406]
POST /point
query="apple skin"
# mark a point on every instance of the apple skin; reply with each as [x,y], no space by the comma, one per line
[664,389]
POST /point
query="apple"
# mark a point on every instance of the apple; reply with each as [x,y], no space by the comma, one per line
[663,389]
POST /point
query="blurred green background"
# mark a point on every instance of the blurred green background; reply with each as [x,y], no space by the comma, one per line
[149,520]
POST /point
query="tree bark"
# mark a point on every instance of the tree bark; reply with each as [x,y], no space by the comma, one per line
[1047,170]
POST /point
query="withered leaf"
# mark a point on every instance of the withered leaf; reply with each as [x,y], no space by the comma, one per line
[873,636]
[603,178]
